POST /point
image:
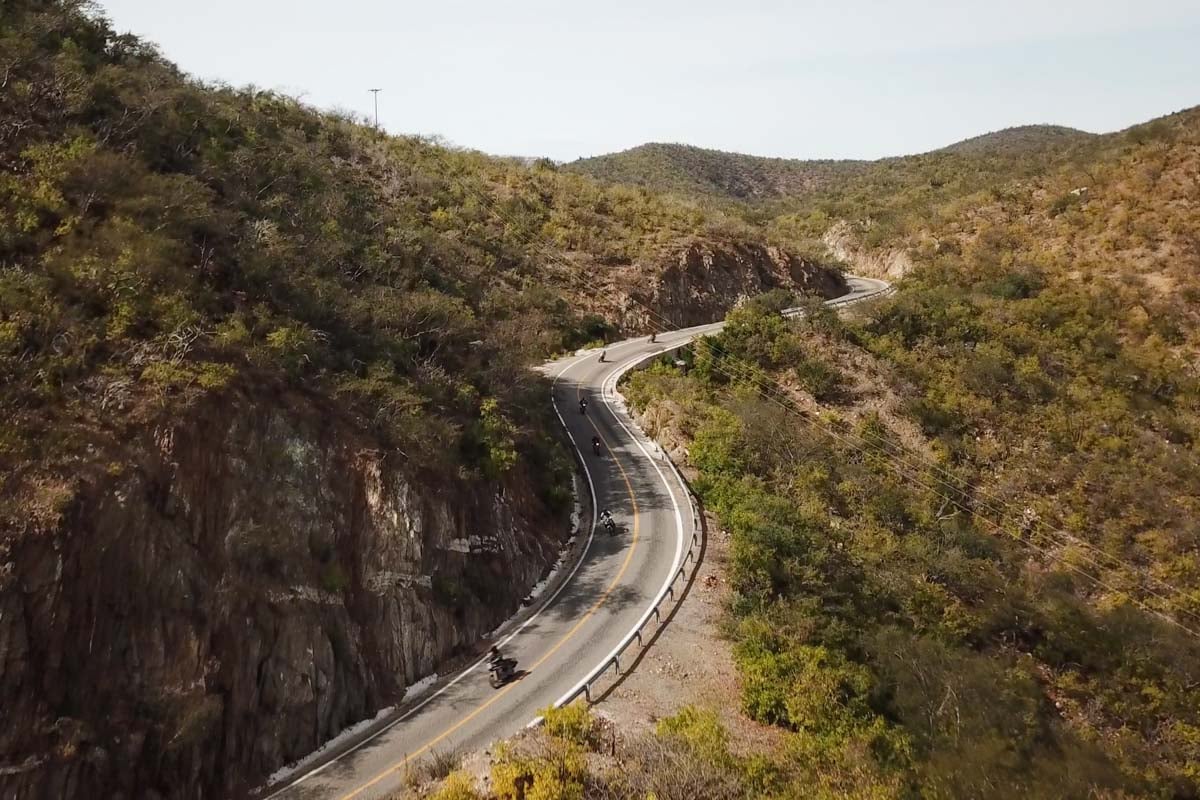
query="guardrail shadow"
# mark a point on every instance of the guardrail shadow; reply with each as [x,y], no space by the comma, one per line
[680,595]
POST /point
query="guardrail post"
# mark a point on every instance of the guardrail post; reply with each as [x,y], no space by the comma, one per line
[609,391]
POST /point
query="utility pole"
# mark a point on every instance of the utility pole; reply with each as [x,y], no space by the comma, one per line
[376,93]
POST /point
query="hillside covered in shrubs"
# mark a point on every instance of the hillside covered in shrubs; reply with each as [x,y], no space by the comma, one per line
[161,239]
[965,520]
[966,556]
[685,169]
[271,447]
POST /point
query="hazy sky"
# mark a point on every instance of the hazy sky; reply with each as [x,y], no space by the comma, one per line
[808,79]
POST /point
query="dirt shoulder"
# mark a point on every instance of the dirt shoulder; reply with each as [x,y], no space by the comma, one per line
[689,662]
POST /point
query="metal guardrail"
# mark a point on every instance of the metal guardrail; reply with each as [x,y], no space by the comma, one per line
[666,595]
[843,302]
[699,531]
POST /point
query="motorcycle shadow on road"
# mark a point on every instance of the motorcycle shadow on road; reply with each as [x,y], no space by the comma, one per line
[516,676]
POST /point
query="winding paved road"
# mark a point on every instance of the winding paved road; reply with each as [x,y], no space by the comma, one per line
[579,626]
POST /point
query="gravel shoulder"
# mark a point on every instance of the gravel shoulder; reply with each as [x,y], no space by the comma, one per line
[689,663]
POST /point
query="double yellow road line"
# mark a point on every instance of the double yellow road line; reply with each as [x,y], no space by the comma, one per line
[567,636]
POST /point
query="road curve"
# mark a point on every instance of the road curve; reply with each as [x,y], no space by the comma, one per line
[579,626]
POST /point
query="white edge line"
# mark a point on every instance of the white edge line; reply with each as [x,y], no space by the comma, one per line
[624,368]
[612,379]
[468,670]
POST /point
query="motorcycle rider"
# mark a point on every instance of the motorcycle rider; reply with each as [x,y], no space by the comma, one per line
[501,669]
[596,445]
[583,405]
[603,353]
[606,519]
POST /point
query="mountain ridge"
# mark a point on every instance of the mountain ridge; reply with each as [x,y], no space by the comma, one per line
[689,169]
[1019,137]
[264,377]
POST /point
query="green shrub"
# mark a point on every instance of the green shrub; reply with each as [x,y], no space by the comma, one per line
[457,786]
[700,730]
[819,378]
[572,723]
[556,773]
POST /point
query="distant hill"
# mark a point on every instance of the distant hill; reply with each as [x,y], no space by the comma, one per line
[1040,356]
[897,203]
[685,169]
[694,170]
[229,324]
[1019,140]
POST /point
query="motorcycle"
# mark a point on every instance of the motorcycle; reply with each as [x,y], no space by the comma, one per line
[583,406]
[610,525]
[501,671]
[596,446]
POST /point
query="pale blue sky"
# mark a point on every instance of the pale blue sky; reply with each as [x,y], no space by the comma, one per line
[809,79]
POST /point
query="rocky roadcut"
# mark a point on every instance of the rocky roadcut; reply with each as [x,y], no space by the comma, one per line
[262,579]
[697,289]
[271,445]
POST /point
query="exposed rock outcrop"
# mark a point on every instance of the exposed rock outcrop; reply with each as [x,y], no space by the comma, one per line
[845,246]
[246,583]
[706,280]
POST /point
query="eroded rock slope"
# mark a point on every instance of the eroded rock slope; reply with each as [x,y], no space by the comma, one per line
[251,580]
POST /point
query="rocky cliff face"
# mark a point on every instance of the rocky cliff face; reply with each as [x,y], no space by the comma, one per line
[242,586]
[845,246]
[706,280]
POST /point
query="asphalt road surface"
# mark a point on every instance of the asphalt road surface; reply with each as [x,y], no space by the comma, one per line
[579,625]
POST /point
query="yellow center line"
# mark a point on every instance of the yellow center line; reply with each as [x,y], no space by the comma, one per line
[596,607]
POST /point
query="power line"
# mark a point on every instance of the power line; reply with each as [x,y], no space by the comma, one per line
[896,453]
[943,476]
[913,475]
[761,383]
